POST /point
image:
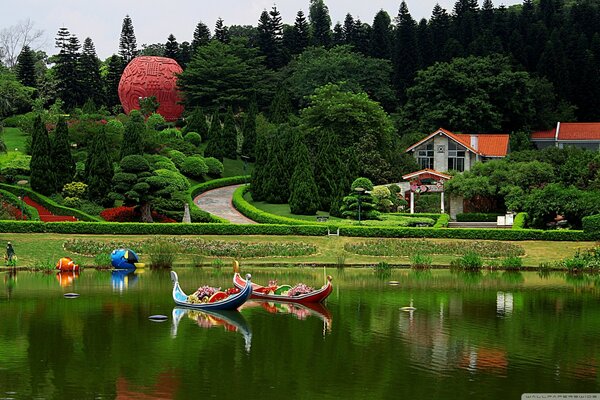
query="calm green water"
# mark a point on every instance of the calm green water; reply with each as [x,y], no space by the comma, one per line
[492,336]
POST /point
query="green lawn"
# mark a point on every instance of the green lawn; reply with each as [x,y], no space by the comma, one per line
[236,168]
[14,139]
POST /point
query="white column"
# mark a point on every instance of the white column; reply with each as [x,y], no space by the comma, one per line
[443,202]
[412,202]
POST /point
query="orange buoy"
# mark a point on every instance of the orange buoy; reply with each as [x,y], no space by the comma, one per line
[66,264]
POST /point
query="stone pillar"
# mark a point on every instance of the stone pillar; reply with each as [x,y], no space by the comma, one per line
[412,202]
[456,206]
[443,210]
[186,214]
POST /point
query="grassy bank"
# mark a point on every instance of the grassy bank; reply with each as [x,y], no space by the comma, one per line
[34,249]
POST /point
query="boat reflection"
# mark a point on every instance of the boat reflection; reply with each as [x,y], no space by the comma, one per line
[122,279]
[300,311]
[232,321]
[66,278]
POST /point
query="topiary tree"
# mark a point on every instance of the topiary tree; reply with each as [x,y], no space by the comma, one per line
[61,155]
[156,121]
[177,157]
[133,135]
[304,196]
[215,167]
[249,133]
[229,136]
[194,167]
[214,146]
[193,138]
[196,122]
[360,198]
[42,178]
[98,170]
[130,184]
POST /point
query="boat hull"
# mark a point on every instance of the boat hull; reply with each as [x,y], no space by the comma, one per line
[230,303]
[316,296]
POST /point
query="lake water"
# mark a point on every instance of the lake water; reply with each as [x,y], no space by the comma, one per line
[491,335]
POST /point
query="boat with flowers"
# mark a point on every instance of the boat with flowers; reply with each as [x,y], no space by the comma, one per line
[209,298]
[300,293]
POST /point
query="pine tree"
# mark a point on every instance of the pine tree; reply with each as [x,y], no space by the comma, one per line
[349,29]
[259,175]
[196,122]
[91,80]
[301,34]
[381,36]
[304,197]
[440,26]
[229,136]
[172,48]
[26,67]
[277,184]
[362,37]
[425,42]
[406,57]
[214,147]
[281,107]
[320,23]
[270,38]
[67,69]
[201,36]
[338,37]
[133,135]
[466,21]
[99,169]
[221,32]
[114,68]
[249,133]
[42,177]
[185,54]
[61,155]
[127,43]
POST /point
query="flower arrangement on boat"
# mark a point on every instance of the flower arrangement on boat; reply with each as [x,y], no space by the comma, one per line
[209,294]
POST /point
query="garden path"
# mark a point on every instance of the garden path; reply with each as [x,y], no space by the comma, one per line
[218,202]
[46,215]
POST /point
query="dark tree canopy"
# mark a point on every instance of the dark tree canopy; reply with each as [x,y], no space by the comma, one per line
[26,67]
[127,43]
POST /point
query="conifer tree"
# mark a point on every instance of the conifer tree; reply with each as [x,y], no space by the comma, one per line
[304,197]
[361,40]
[26,67]
[270,33]
[249,133]
[229,136]
[320,23]
[406,57]
[114,69]
[61,155]
[214,147]
[133,135]
[300,34]
[42,177]
[260,174]
[98,169]
[201,36]
[67,69]
[91,80]
[127,43]
[196,122]
[381,36]
[338,37]
[172,48]
[221,32]
[185,54]
[349,29]
[281,107]
[440,26]
[277,183]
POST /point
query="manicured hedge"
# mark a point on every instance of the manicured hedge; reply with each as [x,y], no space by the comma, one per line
[442,221]
[260,216]
[591,224]
[419,215]
[200,215]
[31,212]
[54,208]
[520,220]
[477,217]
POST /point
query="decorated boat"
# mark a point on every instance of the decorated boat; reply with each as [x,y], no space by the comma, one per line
[231,321]
[300,293]
[207,298]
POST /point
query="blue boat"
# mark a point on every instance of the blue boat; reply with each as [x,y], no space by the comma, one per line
[232,302]
[125,259]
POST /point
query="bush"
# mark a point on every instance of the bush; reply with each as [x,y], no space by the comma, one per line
[162,253]
[19,165]
[194,167]
[442,221]
[12,121]
[193,138]
[420,261]
[520,220]
[156,121]
[512,263]
[383,270]
[591,224]
[215,167]
[72,202]
[177,157]
[469,262]
[75,189]
[477,217]
[171,133]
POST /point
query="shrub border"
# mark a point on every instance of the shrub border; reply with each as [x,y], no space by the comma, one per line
[31,212]
[520,220]
[205,187]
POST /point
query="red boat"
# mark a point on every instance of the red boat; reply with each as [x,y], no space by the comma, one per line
[284,293]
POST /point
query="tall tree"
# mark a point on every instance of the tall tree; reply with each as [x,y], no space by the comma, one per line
[196,122]
[221,32]
[320,23]
[67,69]
[42,177]
[406,57]
[114,69]
[338,37]
[249,133]
[127,43]
[133,135]
[304,196]
[185,54]
[361,40]
[214,147]
[381,36]
[201,36]
[26,67]
[172,48]
[349,29]
[91,80]
[61,155]
[440,26]
[466,21]
[300,34]
[229,135]
[281,107]
[270,34]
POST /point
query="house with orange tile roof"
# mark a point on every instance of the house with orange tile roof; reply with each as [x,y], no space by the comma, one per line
[444,150]
[585,135]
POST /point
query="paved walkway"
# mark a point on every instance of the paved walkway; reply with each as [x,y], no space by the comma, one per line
[218,202]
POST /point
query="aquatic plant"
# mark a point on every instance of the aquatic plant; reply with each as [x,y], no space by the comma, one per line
[383,270]
[512,263]
[420,261]
[162,253]
[470,261]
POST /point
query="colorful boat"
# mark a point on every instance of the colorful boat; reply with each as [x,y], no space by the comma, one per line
[225,302]
[282,292]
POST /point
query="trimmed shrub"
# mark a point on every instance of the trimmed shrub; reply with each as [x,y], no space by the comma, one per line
[30,212]
[171,133]
[194,167]
[591,224]
[476,217]
[442,221]
[520,221]
[215,167]
[75,189]
[193,138]
[156,121]
[177,157]
[72,202]
[130,214]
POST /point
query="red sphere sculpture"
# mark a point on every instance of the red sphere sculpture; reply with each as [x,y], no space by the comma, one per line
[151,76]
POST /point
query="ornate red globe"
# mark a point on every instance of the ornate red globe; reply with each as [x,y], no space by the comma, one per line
[151,76]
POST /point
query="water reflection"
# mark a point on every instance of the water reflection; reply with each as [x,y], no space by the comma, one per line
[232,321]
[10,281]
[504,303]
[122,279]
[300,311]
[67,278]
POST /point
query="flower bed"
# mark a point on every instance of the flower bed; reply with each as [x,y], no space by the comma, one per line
[131,214]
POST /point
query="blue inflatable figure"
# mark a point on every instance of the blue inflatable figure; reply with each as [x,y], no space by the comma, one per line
[125,259]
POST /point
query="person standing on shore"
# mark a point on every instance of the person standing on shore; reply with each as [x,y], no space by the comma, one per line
[10,253]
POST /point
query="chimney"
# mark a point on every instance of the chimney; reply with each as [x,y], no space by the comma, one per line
[475,142]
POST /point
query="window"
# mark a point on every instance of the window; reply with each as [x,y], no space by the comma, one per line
[425,156]
[456,157]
